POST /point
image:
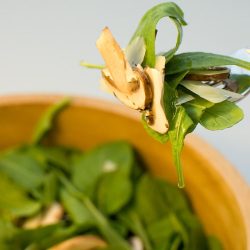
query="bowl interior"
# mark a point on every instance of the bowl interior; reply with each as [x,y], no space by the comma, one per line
[217,192]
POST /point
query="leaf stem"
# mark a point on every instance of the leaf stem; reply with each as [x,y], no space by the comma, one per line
[91,66]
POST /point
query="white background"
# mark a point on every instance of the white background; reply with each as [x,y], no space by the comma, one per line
[42,43]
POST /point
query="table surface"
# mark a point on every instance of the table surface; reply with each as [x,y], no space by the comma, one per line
[42,43]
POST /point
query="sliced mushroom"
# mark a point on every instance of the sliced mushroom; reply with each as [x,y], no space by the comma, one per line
[33,222]
[51,216]
[129,85]
[120,70]
[210,74]
[136,243]
[160,63]
[87,242]
[137,88]
[156,115]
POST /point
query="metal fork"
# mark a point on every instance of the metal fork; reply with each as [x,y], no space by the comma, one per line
[219,81]
[230,85]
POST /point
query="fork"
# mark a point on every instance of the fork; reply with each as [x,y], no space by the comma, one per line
[217,77]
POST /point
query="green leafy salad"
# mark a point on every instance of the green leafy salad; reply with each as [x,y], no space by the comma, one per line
[174,92]
[59,198]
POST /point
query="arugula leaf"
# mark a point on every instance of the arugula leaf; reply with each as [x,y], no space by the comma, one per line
[197,60]
[24,237]
[22,168]
[195,110]
[44,237]
[152,193]
[76,209]
[120,228]
[221,116]
[48,156]
[114,190]
[14,201]
[147,29]
[243,81]
[7,231]
[168,200]
[183,98]
[45,123]
[179,125]
[131,219]
[169,101]
[105,158]
[182,125]
[174,79]
[147,198]
[174,197]
[101,221]
[196,237]
[50,189]
[4,245]
[163,231]
[176,243]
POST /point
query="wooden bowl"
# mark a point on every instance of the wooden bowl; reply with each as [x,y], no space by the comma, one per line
[219,195]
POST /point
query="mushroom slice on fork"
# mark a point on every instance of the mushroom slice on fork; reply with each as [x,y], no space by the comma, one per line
[138,88]
[129,85]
